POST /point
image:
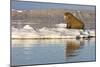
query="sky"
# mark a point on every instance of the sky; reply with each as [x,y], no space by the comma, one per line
[40,5]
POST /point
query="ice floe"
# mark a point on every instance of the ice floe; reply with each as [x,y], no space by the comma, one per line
[61,25]
[45,32]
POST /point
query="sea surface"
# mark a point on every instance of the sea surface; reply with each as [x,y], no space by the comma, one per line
[42,5]
[47,51]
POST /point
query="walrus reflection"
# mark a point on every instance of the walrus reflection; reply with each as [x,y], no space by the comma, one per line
[72,22]
[72,46]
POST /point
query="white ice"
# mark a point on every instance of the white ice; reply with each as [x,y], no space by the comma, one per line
[59,32]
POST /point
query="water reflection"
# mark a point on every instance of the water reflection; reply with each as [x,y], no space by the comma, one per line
[72,48]
[37,42]
[41,51]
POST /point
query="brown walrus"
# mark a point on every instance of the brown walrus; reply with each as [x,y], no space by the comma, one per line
[73,22]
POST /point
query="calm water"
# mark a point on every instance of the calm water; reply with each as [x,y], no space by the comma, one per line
[42,51]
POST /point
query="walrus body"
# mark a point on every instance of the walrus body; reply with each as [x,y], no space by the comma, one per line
[73,22]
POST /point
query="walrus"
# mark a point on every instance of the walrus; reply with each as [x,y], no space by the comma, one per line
[72,21]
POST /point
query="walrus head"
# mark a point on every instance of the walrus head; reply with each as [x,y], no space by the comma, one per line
[67,15]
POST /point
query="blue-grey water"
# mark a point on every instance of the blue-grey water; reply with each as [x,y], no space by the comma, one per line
[42,5]
[43,51]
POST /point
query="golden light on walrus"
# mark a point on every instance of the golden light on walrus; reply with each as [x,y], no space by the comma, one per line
[72,21]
